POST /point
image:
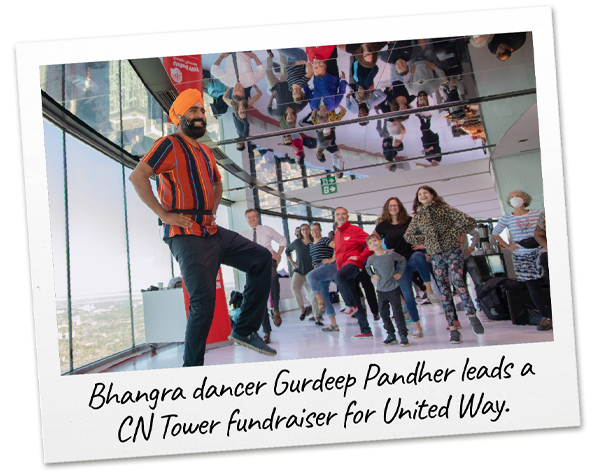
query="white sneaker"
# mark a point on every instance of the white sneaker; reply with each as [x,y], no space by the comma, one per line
[350,311]
[433,299]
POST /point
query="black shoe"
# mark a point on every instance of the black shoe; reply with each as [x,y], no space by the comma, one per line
[476,325]
[252,341]
[319,324]
[376,317]
[455,337]
[303,316]
[308,310]
[390,340]
[404,340]
[311,319]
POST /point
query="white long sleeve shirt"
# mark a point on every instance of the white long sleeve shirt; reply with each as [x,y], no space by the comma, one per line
[248,77]
[424,79]
[265,235]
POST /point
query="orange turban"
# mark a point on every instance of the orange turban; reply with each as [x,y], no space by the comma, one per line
[184,101]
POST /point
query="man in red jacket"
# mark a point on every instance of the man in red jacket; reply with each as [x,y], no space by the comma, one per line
[351,252]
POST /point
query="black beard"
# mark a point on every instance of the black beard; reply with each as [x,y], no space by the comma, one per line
[191,130]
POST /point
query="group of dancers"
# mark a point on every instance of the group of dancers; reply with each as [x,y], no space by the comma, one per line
[403,249]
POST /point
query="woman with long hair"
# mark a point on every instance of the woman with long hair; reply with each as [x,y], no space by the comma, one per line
[438,228]
[302,265]
[319,279]
[526,251]
[240,108]
[392,226]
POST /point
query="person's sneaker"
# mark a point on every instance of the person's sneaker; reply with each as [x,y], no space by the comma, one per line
[456,325]
[417,334]
[362,336]
[390,340]
[433,299]
[476,325]
[404,340]
[455,337]
[252,341]
[319,323]
[349,311]
[545,324]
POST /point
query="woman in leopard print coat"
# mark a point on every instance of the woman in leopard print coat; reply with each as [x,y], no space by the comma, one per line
[438,227]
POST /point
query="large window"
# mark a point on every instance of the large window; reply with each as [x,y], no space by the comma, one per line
[109,97]
[53,137]
[149,256]
[100,299]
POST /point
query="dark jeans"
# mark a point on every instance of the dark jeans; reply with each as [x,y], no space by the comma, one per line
[539,298]
[345,279]
[275,288]
[367,284]
[275,296]
[544,264]
[385,299]
[473,270]
[199,259]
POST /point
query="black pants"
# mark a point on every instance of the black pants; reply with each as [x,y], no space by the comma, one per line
[367,284]
[539,298]
[385,299]
[275,296]
[345,278]
[199,259]
[544,264]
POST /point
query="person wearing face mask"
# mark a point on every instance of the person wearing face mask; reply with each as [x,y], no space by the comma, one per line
[526,251]
[437,228]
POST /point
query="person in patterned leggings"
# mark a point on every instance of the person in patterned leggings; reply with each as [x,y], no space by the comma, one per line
[439,228]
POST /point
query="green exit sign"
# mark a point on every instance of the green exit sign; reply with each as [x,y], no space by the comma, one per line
[328,180]
[329,189]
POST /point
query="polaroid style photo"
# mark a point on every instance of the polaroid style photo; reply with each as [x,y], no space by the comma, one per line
[328,130]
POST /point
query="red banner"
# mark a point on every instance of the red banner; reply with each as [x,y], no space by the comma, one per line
[221,325]
[185,72]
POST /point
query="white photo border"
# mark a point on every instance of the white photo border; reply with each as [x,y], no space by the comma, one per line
[72,431]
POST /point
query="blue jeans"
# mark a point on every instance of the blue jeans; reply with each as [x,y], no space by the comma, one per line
[319,279]
[417,262]
[345,279]
[407,292]
[293,54]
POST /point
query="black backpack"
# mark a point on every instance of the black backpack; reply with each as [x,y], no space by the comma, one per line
[493,300]
[236,299]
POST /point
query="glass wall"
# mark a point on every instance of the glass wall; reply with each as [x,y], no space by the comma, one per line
[149,256]
[110,98]
[107,247]
[53,137]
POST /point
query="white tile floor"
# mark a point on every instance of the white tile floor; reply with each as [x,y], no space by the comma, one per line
[302,340]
